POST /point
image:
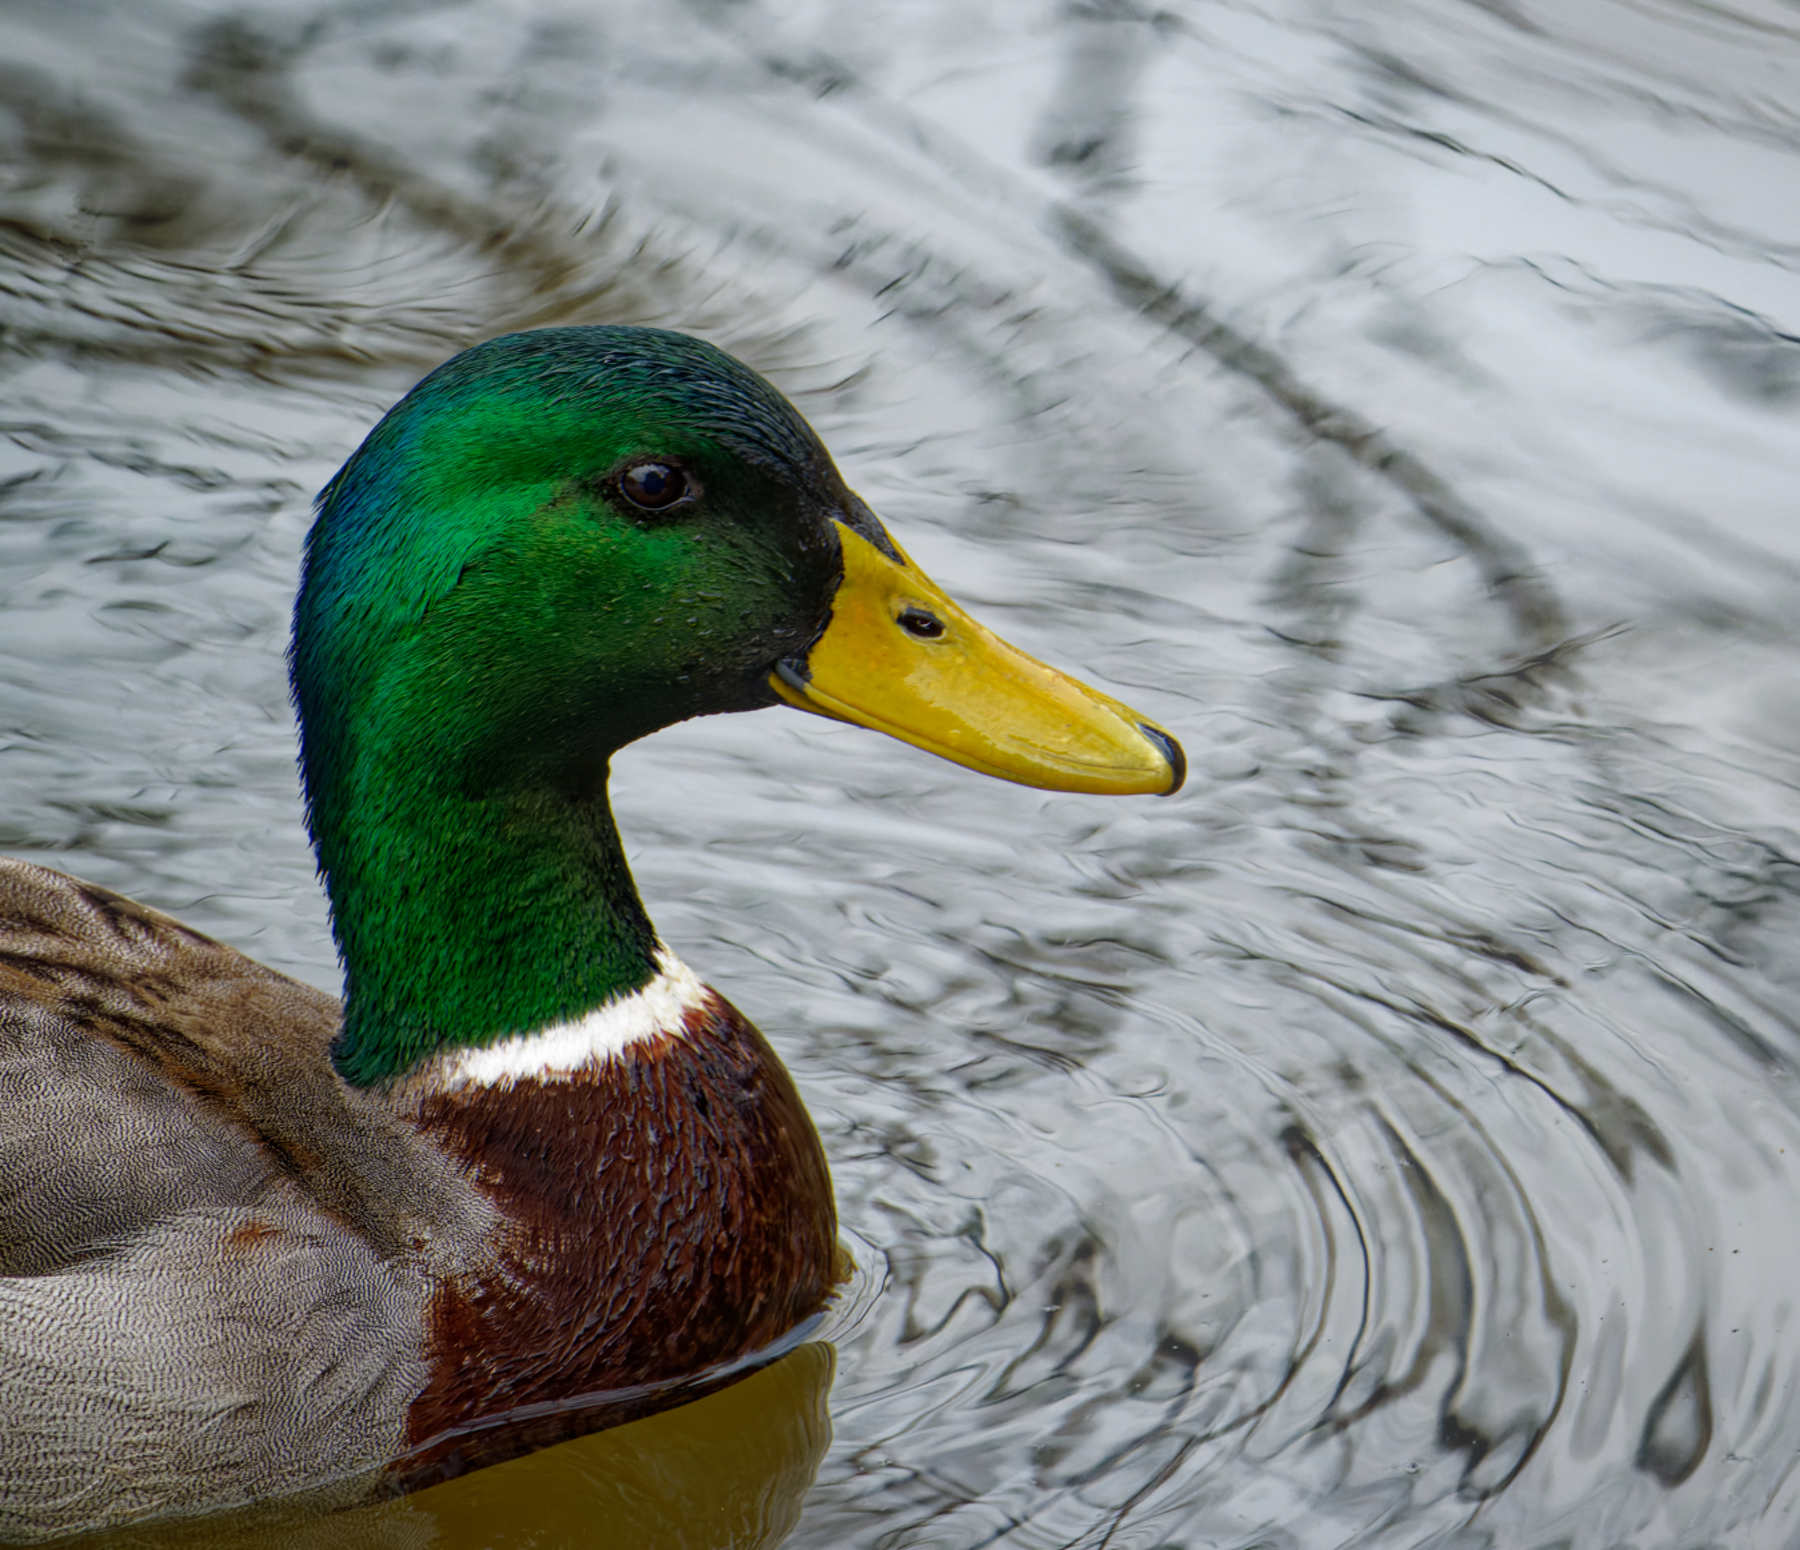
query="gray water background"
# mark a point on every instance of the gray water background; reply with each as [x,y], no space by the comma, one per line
[1390,1141]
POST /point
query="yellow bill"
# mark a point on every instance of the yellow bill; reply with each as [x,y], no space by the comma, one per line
[900,657]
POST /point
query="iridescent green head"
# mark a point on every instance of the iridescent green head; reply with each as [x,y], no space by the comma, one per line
[556,543]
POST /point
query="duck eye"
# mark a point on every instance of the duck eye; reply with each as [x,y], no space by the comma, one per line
[922,623]
[653,486]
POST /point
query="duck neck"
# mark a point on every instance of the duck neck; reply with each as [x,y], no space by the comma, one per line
[468,918]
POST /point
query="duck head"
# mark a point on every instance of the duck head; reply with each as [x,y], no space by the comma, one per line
[559,542]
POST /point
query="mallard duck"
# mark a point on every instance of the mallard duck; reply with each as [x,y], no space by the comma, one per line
[254,1244]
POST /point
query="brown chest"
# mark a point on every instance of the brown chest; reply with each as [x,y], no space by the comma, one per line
[664,1211]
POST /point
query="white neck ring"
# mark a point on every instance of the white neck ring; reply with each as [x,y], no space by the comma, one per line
[657,1010]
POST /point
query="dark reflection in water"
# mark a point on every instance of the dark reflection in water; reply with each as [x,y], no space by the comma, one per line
[1390,1141]
[727,1472]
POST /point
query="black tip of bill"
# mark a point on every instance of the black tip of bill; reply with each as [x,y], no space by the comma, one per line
[1171,750]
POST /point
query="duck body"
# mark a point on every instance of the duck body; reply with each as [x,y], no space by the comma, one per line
[274,1283]
[531,1175]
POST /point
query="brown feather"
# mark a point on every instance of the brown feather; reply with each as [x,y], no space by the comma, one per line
[667,1211]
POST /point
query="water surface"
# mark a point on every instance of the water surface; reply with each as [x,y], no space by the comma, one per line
[1390,1141]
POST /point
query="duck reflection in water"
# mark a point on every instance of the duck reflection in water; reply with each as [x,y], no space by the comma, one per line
[726,1472]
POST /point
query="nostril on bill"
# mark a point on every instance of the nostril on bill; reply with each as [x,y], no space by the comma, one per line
[921,622]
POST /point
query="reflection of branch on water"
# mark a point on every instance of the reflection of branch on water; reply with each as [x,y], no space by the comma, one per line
[1501,698]
[248,72]
[119,241]
[1505,566]
[549,261]
[553,264]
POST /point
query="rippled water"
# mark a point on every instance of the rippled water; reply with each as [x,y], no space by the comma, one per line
[1391,1141]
